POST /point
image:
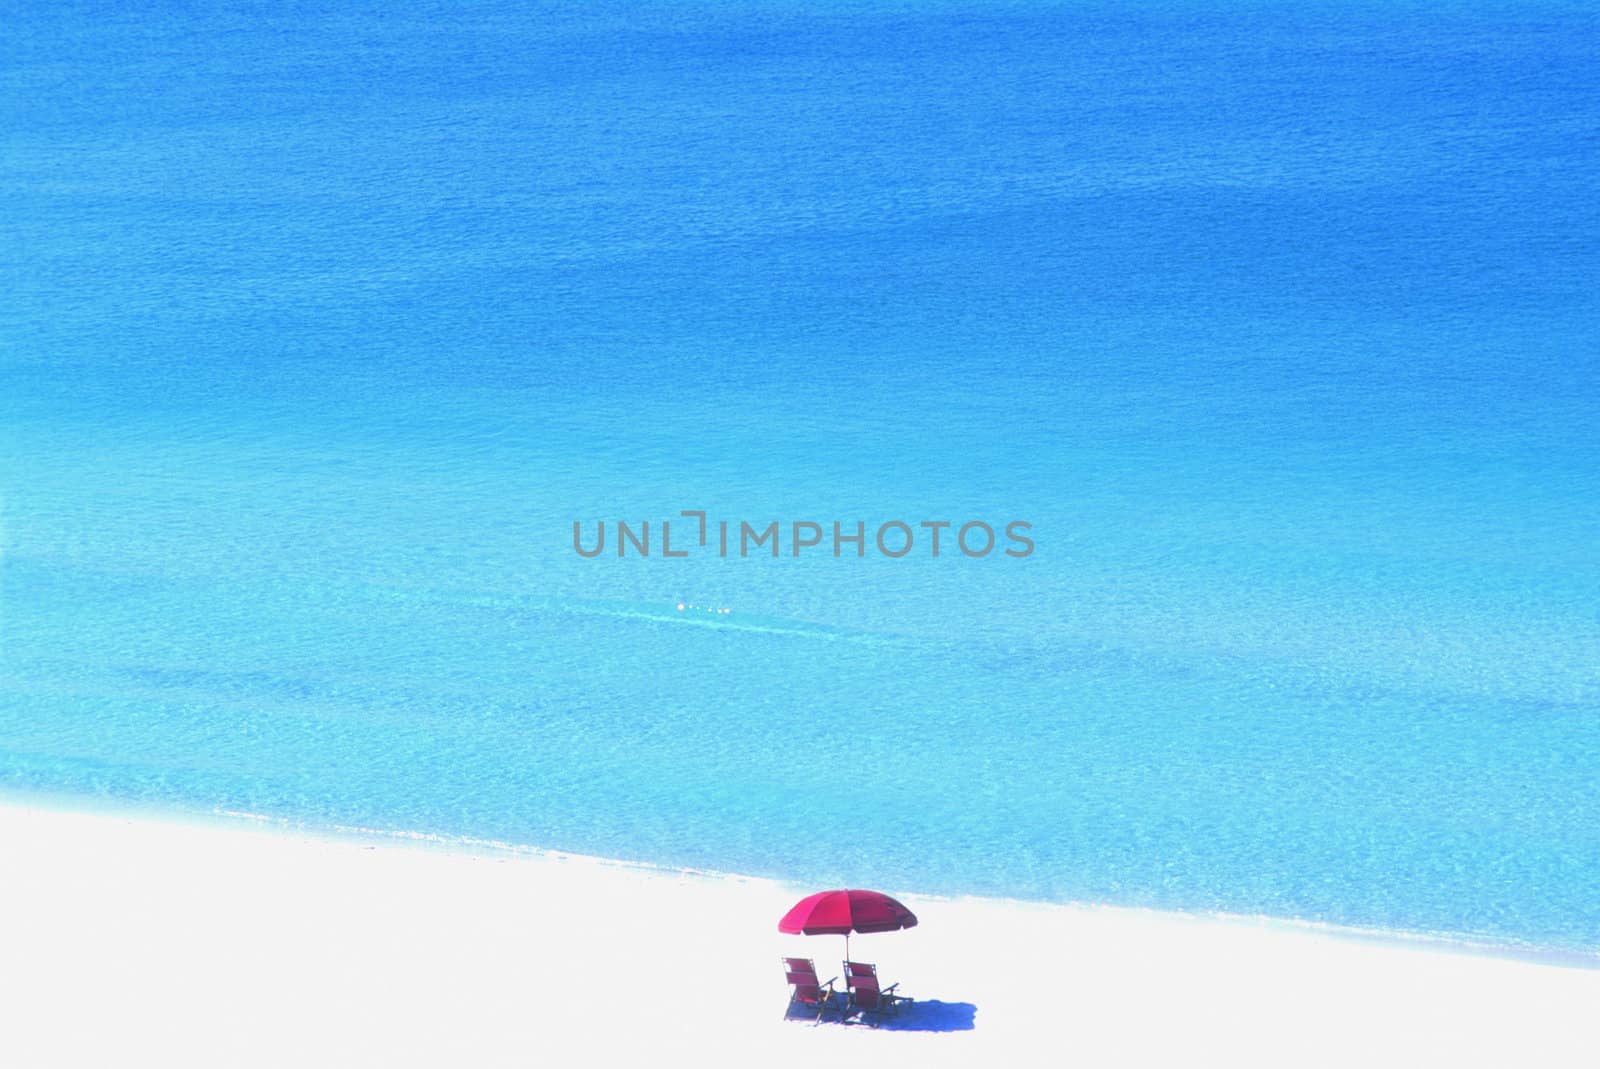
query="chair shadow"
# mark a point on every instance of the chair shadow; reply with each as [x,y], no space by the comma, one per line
[931,1015]
[799,1011]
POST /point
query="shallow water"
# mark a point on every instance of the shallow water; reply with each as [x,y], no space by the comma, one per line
[1279,328]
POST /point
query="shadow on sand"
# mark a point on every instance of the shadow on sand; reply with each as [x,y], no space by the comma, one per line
[921,1016]
[932,1016]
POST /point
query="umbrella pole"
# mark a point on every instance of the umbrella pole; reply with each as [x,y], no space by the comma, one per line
[849,992]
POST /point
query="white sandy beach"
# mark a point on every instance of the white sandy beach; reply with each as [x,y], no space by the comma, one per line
[140,941]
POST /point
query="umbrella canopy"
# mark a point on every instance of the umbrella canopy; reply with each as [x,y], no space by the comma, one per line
[846,911]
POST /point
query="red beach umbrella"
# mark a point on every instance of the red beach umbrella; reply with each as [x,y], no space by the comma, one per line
[846,911]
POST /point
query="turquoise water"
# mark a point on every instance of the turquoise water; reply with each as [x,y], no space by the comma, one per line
[1279,326]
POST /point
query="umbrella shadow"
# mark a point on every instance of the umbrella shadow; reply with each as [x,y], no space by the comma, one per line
[931,1015]
[924,1015]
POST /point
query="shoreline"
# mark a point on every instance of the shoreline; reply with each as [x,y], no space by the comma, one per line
[237,942]
[243,820]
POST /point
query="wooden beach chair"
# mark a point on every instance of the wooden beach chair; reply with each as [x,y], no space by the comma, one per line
[866,997]
[805,988]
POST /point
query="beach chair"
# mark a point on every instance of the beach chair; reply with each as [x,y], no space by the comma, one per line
[805,988]
[866,997]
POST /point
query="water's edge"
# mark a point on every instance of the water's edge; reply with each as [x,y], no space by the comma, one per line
[236,821]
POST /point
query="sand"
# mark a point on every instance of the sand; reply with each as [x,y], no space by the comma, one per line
[134,940]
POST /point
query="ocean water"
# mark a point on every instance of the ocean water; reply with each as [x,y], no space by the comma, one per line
[1280,324]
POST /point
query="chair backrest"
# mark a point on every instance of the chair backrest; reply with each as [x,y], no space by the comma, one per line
[801,973]
[862,979]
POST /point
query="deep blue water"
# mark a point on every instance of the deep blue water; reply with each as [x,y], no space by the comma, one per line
[1278,323]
